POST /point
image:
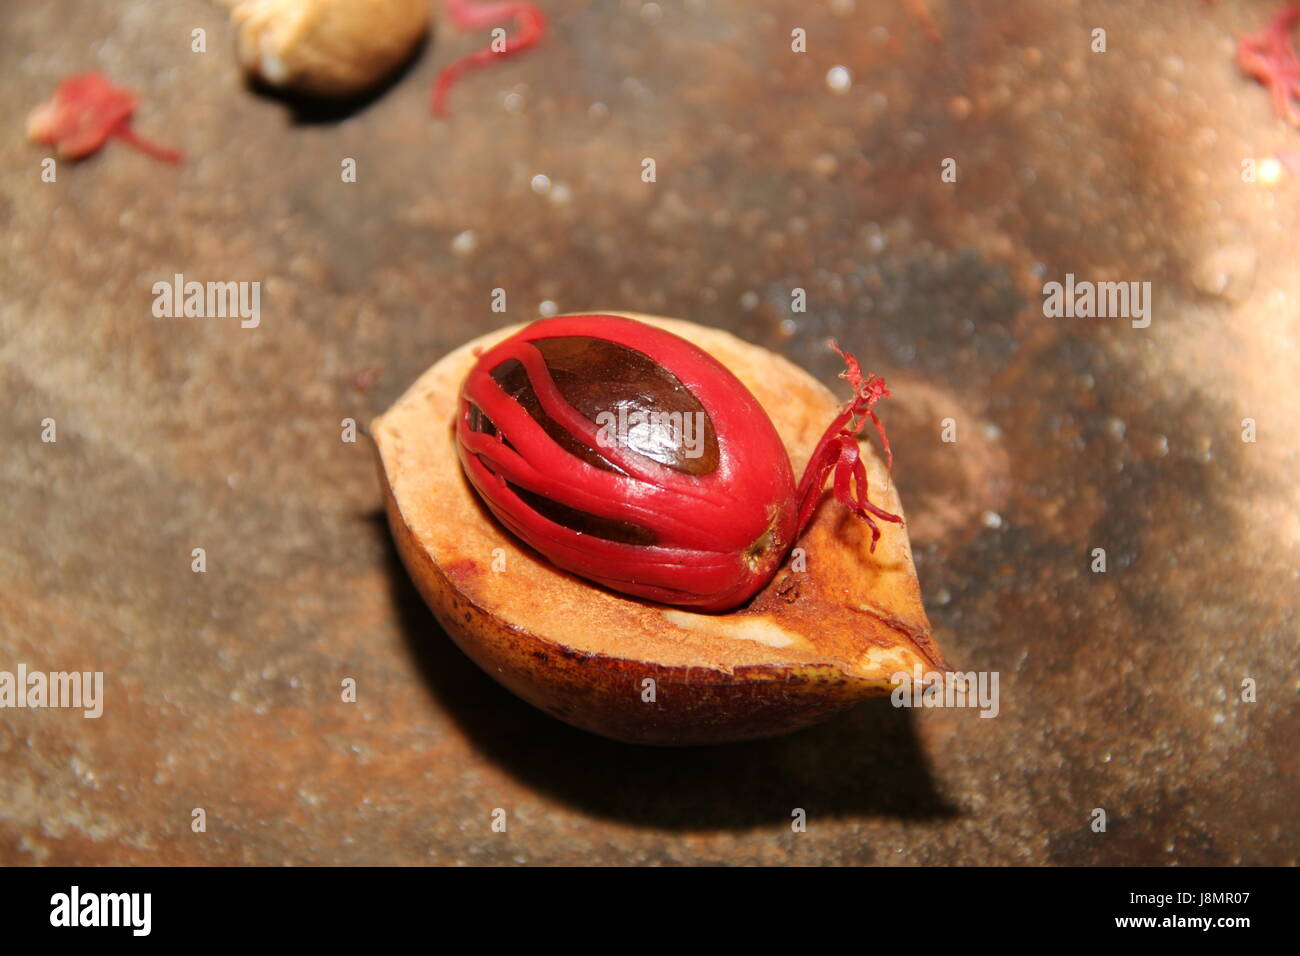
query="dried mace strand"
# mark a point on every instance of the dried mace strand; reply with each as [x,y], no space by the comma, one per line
[471,16]
[629,456]
[84,113]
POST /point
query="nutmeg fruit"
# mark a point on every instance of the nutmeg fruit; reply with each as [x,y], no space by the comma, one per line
[331,48]
[830,629]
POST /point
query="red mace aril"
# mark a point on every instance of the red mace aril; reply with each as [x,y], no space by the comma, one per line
[627,455]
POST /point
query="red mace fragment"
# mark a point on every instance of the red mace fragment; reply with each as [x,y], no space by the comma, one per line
[367,378]
[469,16]
[83,113]
[633,458]
[920,11]
[1269,57]
[838,449]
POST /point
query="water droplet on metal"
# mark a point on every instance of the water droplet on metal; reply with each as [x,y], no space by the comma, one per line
[839,79]
[465,243]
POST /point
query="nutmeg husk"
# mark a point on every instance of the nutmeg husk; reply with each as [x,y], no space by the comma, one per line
[811,644]
[327,48]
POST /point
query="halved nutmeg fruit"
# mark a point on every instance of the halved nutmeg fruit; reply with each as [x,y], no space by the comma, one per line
[827,628]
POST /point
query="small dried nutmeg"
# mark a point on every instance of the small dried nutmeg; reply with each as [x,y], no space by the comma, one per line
[830,627]
[335,48]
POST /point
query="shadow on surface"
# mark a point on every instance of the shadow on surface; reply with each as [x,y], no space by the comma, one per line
[865,763]
[310,110]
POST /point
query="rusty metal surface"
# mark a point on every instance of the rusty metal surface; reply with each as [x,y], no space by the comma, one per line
[1119,690]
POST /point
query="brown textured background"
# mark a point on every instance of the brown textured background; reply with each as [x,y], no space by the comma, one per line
[1119,690]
